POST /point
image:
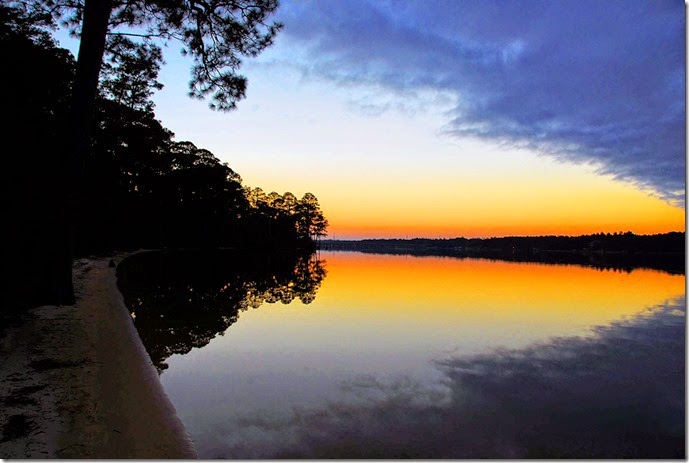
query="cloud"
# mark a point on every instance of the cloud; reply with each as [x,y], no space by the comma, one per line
[618,393]
[587,81]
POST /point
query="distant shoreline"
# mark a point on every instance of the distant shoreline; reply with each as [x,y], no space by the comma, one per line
[624,251]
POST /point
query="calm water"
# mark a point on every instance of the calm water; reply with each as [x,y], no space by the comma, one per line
[376,356]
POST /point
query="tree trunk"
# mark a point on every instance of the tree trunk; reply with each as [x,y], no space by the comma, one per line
[89,61]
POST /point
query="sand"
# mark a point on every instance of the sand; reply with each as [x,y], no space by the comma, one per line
[76,381]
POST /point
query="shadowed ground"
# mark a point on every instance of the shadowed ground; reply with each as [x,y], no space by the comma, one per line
[75,382]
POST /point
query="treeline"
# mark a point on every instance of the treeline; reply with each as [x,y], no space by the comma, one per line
[604,250]
[141,189]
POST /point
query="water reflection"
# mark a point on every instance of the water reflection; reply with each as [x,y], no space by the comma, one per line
[617,394]
[181,300]
[421,357]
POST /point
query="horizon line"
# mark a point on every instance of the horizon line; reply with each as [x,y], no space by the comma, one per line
[499,237]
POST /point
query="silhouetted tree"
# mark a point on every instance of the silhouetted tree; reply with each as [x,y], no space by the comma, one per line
[143,189]
[200,195]
[130,73]
[129,157]
[216,33]
[310,219]
[35,85]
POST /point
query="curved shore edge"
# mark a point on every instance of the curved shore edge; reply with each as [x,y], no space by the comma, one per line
[77,382]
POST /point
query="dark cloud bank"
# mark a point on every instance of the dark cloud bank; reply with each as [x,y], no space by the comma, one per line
[585,81]
[619,393]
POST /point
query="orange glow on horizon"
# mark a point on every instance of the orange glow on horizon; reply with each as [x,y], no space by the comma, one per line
[476,190]
[476,211]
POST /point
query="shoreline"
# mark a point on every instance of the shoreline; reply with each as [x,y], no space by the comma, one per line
[76,381]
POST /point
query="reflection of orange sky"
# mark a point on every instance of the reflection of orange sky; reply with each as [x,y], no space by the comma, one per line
[383,314]
[380,310]
[482,290]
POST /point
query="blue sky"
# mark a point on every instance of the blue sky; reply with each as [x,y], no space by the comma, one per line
[586,80]
[419,108]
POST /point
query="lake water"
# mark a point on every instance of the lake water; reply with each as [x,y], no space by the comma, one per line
[350,355]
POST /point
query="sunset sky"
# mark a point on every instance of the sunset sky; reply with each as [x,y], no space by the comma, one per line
[460,118]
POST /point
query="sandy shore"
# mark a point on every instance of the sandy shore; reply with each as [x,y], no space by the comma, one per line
[76,382]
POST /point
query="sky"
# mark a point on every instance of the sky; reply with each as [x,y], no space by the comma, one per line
[460,118]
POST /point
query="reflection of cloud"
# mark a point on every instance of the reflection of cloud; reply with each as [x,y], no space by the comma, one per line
[589,81]
[619,393]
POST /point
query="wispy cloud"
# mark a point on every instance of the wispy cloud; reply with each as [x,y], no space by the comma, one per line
[587,81]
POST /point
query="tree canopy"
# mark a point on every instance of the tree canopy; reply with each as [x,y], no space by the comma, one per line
[144,189]
[216,34]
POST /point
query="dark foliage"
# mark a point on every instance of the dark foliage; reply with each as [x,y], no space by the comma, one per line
[35,85]
[143,190]
[216,34]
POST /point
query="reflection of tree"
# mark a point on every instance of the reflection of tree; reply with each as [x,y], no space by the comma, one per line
[301,283]
[183,300]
